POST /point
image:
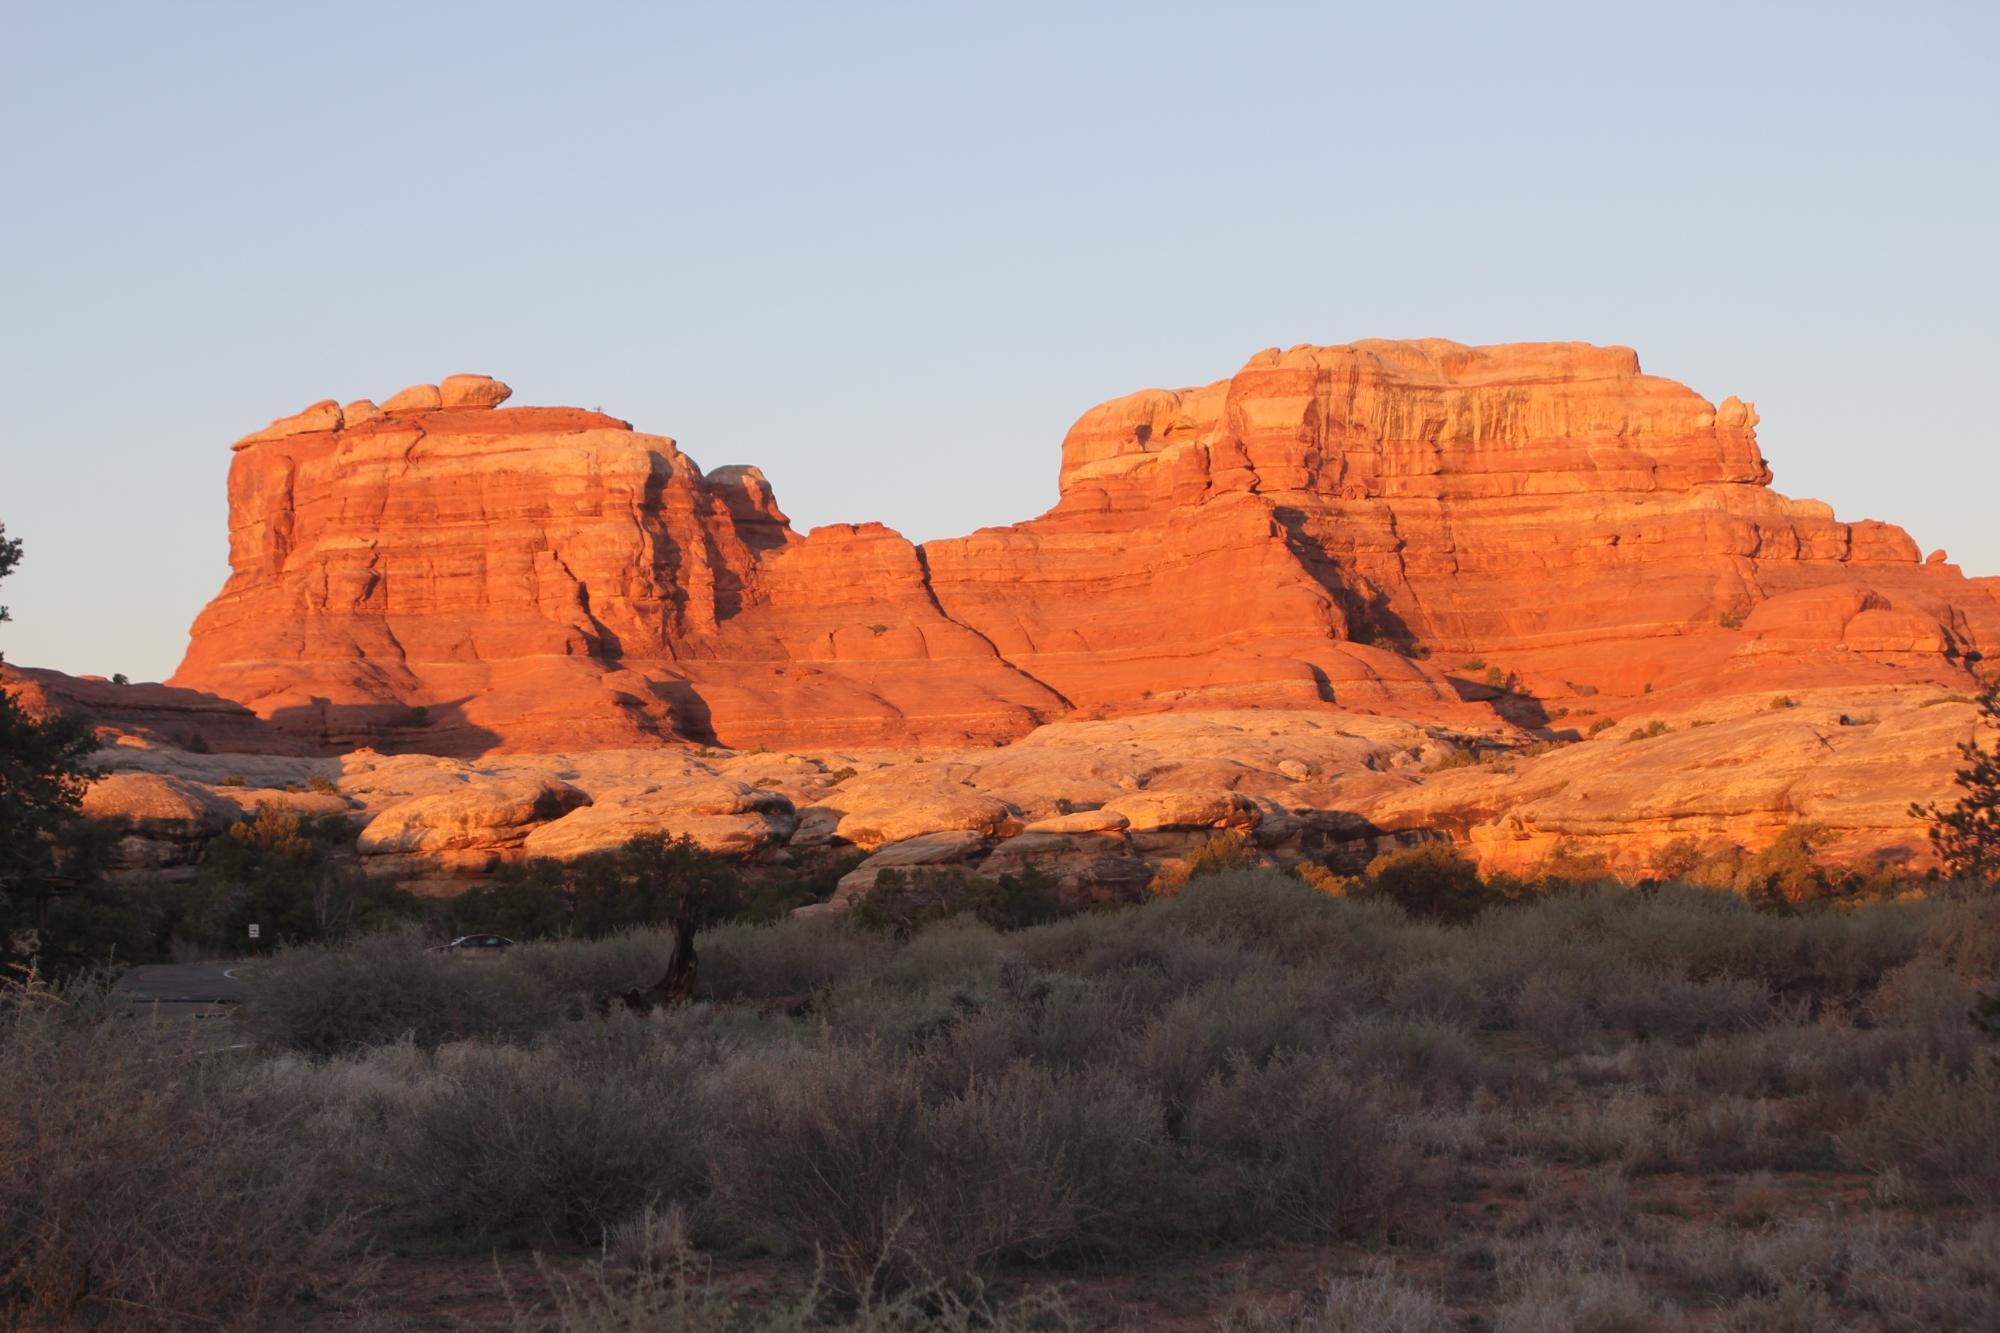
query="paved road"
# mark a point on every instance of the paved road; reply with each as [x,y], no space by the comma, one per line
[194,1002]
[185,983]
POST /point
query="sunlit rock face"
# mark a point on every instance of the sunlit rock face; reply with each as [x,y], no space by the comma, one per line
[1331,528]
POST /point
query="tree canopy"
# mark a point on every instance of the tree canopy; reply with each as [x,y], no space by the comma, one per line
[42,777]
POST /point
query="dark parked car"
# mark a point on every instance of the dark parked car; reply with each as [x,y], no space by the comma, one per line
[475,944]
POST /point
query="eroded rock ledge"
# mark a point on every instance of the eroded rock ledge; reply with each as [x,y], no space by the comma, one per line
[1104,806]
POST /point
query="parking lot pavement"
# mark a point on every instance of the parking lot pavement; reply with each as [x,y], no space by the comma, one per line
[191,1002]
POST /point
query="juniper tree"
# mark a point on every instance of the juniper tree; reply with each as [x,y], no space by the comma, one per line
[1967,833]
[42,777]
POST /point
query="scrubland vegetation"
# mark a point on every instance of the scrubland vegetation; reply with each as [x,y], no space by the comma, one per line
[1251,1104]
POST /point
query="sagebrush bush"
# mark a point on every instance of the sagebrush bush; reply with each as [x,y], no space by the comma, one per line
[1056,1022]
[1249,1017]
[1436,1062]
[1937,1130]
[147,1185]
[840,1151]
[1246,1060]
[1433,880]
[588,969]
[785,959]
[559,1141]
[388,988]
[1301,1147]
[1377,1302]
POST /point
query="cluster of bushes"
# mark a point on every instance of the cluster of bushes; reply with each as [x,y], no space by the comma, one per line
[928,1108]
[903,902]
[1436,881]
[296,876]
[601,894]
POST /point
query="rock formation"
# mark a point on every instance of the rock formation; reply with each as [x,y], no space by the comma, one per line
[1103,806]
[1290,604]
[1341,527]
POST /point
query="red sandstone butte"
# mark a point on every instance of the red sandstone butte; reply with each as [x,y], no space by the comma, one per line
[1346,527]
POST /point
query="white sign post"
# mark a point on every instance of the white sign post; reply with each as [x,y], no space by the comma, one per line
[253,930]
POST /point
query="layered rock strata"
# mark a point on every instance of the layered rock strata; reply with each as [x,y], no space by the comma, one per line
[1421,528]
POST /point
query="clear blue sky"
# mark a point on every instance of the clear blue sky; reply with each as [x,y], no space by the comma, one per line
[889,253]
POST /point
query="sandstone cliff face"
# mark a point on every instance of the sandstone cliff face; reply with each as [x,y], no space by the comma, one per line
[1546,507]
[1332,527]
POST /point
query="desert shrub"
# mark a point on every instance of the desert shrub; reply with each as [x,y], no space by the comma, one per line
[1227,850]
[1469,757]
[1437,1062]
[589,970]
[1434,990]
[1270,912]
[1568,866]
[905,902]
[785,958]
[1646,1004]
[1152,952]
[1654,728]
[1056,1022]
[1621,1128]
[1740,1134]
[289,873]
[98,924]
[961,951]
[1563,1296]
[1432,880]
[1031,897]
[652,880]
[1931,1003]
[1247,1017]
[1959,924]
[902,902]
[1787,1276]
[386,988]
[1375,1302]
[557,1141]
[1788,871]
[775,891]
[903,1020]
[1676,859]
[652,1278]
[146,1186]
[1937,1131]
[839,1150]
[528,900]
[1302,1148]
[1599,727]
[1555,1008]
[1322,879]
